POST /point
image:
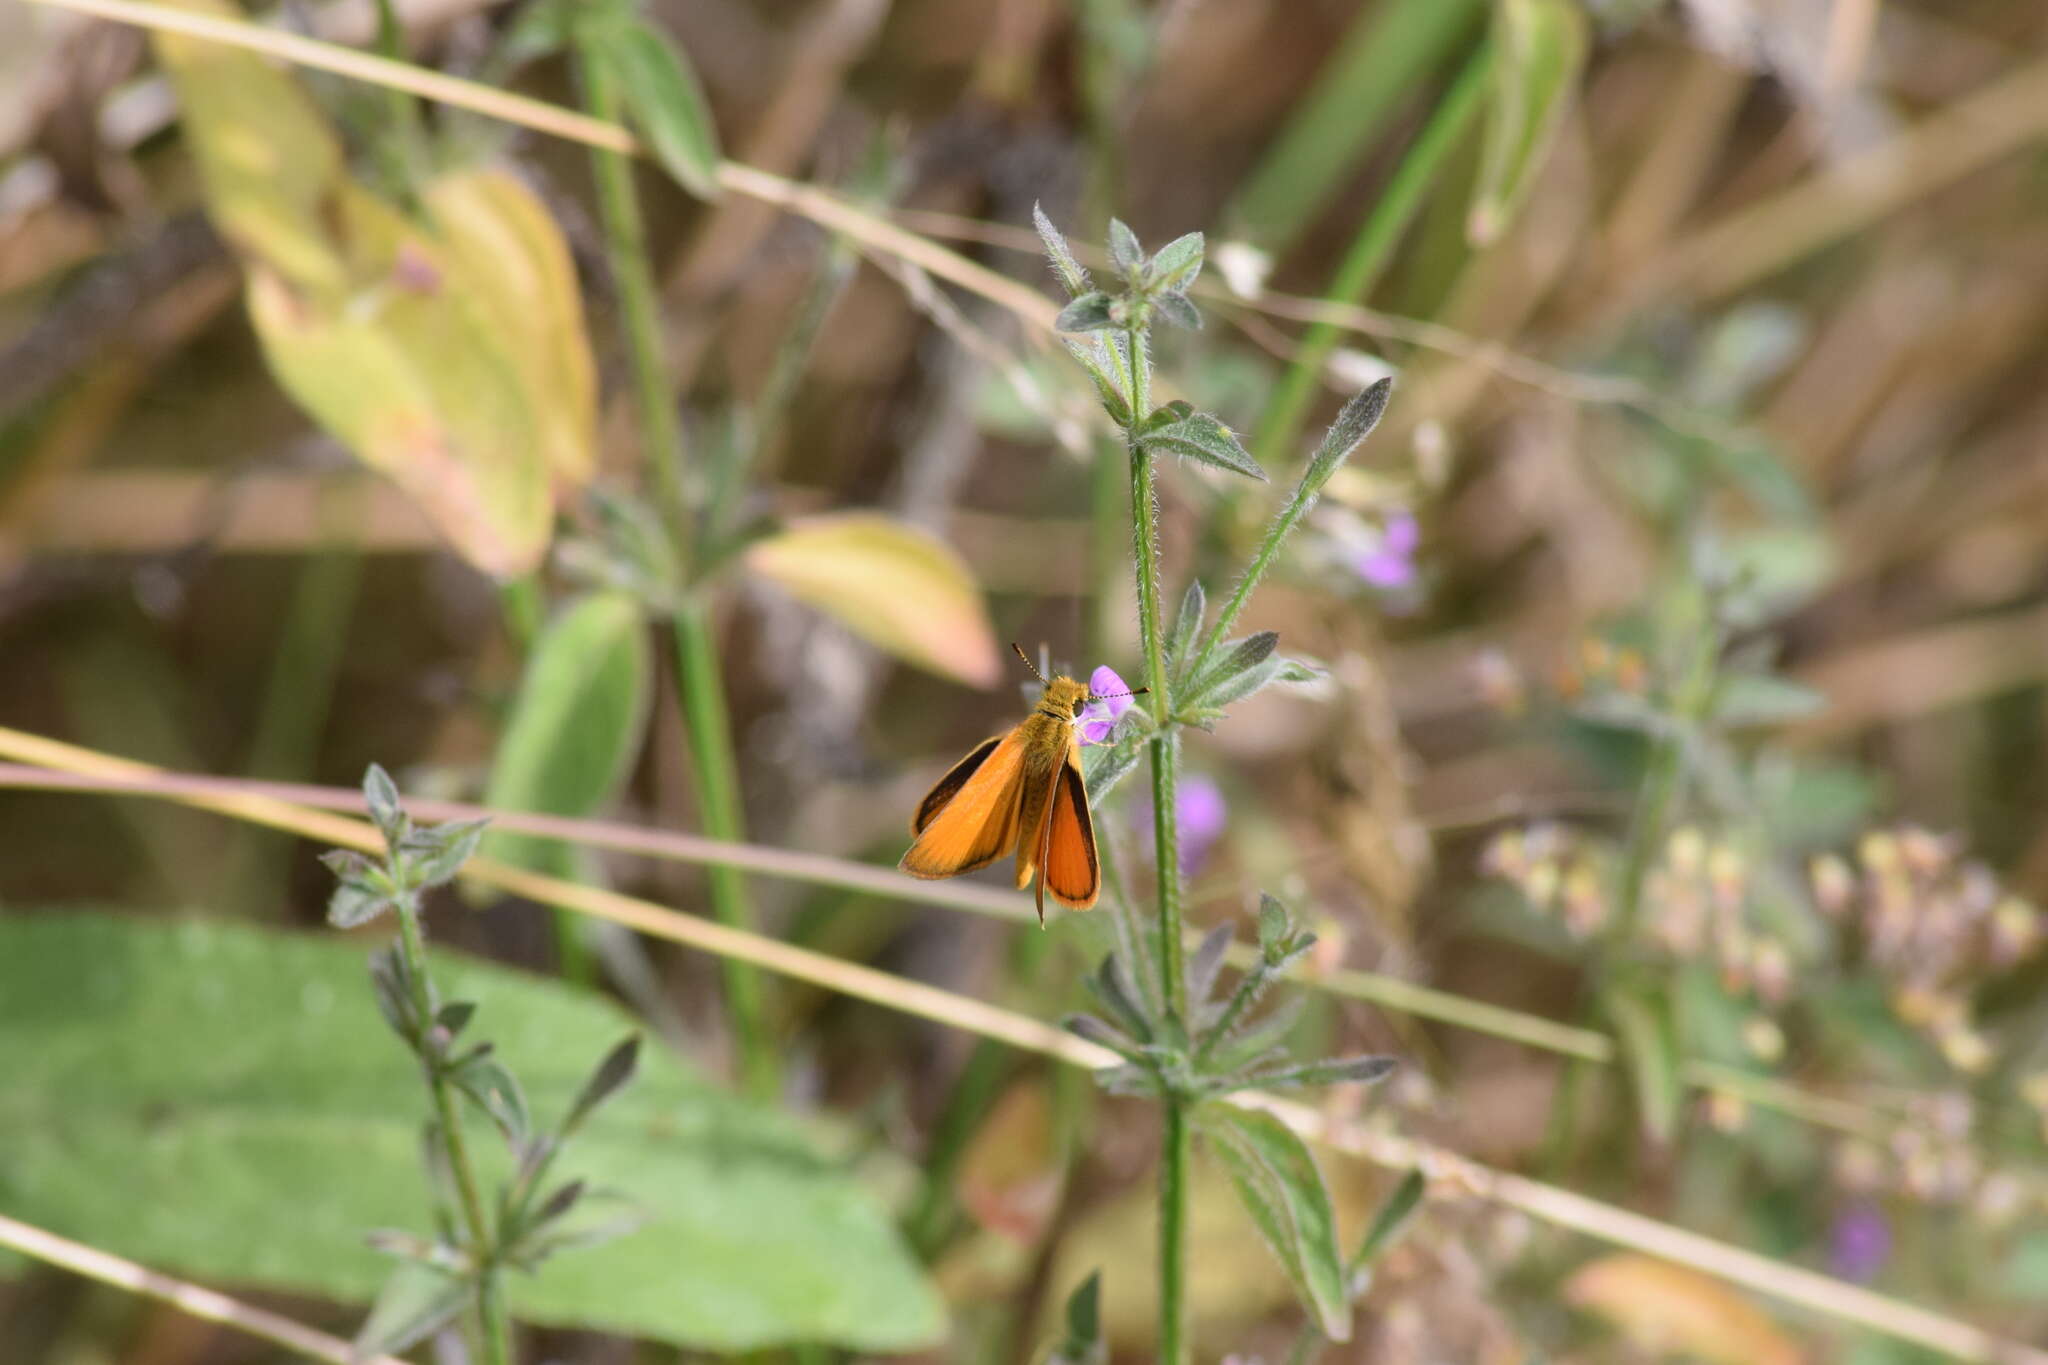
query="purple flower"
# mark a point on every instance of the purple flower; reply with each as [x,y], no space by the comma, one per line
[1859,1243]
[1200,817]
[1389,562]
[1198,804]
[1098,718]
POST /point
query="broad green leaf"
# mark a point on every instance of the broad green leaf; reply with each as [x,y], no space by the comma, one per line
[510,257]
[267,158]
[664,101]
[1277,1180]
[223,1103]
[1542,46]
[576,724]
[1645,1024]
[899,588]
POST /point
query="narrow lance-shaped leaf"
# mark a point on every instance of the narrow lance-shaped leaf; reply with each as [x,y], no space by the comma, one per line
[1391,1221]
[1277,1180]
[612,1074]
[1203,438]
[1187,628]
[1355,421]
[1124,249]
[662,96]
[1643,1023]
[416,1302]
[1542,45]
[1072,276]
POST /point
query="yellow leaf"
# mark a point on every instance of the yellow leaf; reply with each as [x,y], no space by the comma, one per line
[406,369]
[897,587]
[268,159]
[1672,1310]
[508,254]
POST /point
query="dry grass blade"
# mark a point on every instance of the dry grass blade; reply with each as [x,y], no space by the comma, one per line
[803,200]
[207,1304]
[1563,1208]
[235,795]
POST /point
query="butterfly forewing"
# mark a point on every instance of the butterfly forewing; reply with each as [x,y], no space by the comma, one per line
[979,823]
[948,787]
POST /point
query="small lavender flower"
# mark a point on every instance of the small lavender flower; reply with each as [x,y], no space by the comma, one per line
[1200,816]
[1389,562]
[1859,1243]
[1098,718]
[1198,804]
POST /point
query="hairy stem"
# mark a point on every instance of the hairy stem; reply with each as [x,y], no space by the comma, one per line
[1165,753]
[482,1248]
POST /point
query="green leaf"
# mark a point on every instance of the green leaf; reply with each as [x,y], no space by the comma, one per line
[1187,628]
[1542,46]
[1279,1185]
[1647,1030]
[1083,1343]
[1745,699]
[354,904]
[1179,310]
[664,101]
[416,1302]
[1088,313]
[1125,251]
[1203,438]
[1234,658]
[1355,421]
[496,1091]
[1391,1221]
[1072,276]
[219,1102]
[435,853]
[611,1076]
[1177,265]
[380,795]
[576,725]
[1276,928]
[901,589]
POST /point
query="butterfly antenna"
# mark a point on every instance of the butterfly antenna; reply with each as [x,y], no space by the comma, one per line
[1027,661]
[1112,696]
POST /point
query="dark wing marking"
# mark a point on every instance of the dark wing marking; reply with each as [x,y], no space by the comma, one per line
[947,787]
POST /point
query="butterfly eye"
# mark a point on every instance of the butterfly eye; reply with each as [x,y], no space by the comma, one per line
[1080,705]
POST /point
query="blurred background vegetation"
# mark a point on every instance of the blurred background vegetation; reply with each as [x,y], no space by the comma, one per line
[1683,634]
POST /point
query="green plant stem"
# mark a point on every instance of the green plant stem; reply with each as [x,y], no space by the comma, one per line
[713,767]
[1370,252]
[1165,753]
[716,771]
[482,1248]
[1173,1226]
[633,275]
[1306,490]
